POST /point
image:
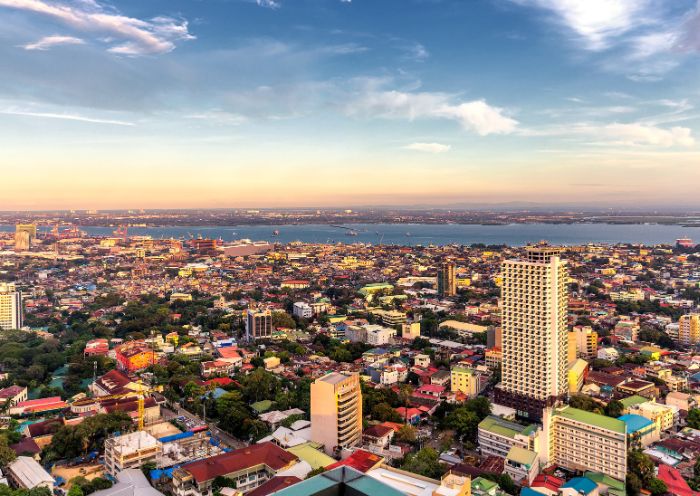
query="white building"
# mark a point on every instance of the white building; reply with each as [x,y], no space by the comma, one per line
[534,331]
[130,451]
[608,354]
[10,307]
[303,310]
[26,473]
[378,335]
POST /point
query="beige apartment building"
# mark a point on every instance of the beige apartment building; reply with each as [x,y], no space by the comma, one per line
[689,329]
[581,440]
[336,411]
[534,322]
[10,307]
[583,343]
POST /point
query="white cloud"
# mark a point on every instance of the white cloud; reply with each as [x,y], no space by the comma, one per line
[477,115]
[428,147]
[596,22]
[641,134]
[134,36]
[270,4]
[51,41]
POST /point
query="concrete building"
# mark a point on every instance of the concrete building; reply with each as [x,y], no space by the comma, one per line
[26,473]
[467,380]
[336,411]
[130,451]
[24,235]
[10,307]
[583,343]
[689,329]
[497,436]
[410,331]
[534,321]
[378,336]
[258,324]
[581,440]
[302,310]
[446,281]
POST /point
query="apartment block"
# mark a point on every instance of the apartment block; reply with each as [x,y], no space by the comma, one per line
[581,440]
[130,451]
[336,411]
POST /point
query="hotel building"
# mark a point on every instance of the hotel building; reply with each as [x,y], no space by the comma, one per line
[535,341]
[10,307]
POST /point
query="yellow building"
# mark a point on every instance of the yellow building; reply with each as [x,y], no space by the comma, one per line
[578,370]
[336,411]
[583,343]
[465,380]
[689,329]
[663,416]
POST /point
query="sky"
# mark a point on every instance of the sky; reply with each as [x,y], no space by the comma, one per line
[285,103]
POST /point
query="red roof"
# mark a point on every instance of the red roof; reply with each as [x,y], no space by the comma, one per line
[675,483]
[220,381]
[234,461]
[548,482]
[273,485]
[360,460]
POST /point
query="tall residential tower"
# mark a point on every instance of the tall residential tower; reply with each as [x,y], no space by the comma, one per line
[535,340]
[446,282]
[10,307]
[336,411]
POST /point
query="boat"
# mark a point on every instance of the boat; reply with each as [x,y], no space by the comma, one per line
[408,234]
[351,233]
[275,232]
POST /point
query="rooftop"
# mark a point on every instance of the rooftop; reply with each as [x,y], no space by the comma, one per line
[341,480]
[591,418]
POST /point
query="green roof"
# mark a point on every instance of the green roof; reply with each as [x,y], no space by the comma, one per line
[522,456]
[262,406]
[464,370]
[505,428]
[483,484]
[614,486]
[311,455]
[590,418]
[633,400]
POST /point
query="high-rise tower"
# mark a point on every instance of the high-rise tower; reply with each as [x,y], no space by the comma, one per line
[10,307]
[534,304]
[446,282]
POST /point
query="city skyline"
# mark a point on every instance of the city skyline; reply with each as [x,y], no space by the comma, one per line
[281,103]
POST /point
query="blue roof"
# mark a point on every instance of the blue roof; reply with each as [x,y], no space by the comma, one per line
[581,485]
[176,437]
[635,423]
[526,491]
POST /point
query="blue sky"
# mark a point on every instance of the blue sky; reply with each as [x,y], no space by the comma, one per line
[328,102]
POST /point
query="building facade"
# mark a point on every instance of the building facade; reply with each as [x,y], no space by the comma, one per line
[336,411]
[581,440]
[534,322]
[689,329]
[446,281]
[10,307]
[258,324]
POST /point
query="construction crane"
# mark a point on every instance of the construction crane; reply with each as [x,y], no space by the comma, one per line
[140,394]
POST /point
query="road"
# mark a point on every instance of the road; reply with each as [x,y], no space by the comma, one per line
[226,439]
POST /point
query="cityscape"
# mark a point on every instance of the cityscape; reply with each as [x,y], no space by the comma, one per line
[349,247]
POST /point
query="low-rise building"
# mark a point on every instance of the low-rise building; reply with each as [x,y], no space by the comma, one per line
[130,451]
[248,467]
[497,436]
[26,473]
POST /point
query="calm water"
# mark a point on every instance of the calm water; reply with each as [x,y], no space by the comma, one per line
[414,234]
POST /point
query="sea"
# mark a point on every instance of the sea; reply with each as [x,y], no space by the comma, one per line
[421,234]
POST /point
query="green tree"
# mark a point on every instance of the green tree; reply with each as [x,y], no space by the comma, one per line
[614,409]
[694,418]
[406,434]
[75,490]
[384,412]
[425,462]
[657,487]
[7,454]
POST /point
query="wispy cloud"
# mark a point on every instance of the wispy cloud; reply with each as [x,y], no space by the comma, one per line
[48,42]
[64,116]
[476,115]
[428,147]
[132,36]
